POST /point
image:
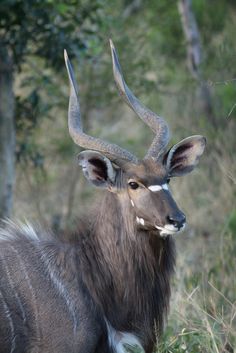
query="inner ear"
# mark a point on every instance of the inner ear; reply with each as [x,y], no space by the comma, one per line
[182,158]
[100,168]
[97,168]
[179,157]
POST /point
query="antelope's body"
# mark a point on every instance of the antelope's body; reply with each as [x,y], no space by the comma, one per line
[61,295]
[42,302]
[108,284]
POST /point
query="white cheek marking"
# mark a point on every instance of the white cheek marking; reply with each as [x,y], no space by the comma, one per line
[140,220]
[155,188]
[132,202]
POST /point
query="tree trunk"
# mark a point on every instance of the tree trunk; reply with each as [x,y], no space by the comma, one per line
[7,134]
[194,56]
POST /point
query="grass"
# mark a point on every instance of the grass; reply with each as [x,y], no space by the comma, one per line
[205,326]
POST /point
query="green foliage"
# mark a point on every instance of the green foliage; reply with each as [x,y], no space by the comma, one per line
[165,32]
[41,30]
[226,93]
[45,28]
[189,340]
[30,110]
[232,223]
[210,24]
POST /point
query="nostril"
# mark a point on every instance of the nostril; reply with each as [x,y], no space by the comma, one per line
[177,221]
[172,221]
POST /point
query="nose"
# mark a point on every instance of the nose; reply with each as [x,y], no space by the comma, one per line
[177,220]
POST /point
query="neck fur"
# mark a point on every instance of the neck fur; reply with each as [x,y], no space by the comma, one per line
[130,269]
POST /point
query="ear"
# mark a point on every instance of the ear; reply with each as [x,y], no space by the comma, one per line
[97,168]
[182,158]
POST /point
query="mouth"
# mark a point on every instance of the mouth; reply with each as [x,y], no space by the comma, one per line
[169,229]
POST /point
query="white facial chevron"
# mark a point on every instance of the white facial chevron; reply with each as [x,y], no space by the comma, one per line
[140,220]
[156,188]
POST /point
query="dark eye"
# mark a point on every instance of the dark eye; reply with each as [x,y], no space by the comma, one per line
[168,180]
[133,185]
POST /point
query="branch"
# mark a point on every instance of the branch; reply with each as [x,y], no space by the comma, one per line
[192,37]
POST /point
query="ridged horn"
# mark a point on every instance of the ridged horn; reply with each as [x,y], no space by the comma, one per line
[113,151]
[155,122]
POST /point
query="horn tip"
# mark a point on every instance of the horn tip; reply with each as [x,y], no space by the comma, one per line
[111,44]
[113,50]
[66,56]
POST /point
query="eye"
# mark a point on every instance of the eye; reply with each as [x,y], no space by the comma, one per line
[133,185]
[168,180]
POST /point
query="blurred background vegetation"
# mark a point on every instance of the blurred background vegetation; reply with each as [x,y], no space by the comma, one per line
[179,57]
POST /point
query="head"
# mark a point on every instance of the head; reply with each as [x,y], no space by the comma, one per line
[145,183]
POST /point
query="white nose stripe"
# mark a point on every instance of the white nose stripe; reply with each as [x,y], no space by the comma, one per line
[156,188]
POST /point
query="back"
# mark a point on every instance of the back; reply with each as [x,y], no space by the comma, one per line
[44,306]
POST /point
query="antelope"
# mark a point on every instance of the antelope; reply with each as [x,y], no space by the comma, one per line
[107,286]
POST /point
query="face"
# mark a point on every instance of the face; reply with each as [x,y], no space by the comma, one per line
[146,184]
[148,190]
